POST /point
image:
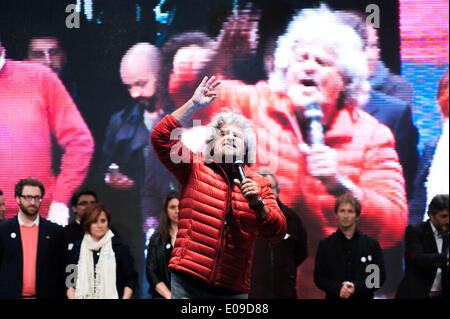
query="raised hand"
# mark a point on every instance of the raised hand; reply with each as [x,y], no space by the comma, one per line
[204,95]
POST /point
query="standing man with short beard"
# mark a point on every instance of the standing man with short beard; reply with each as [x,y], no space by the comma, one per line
[343,257]
[31,249]
[426,254]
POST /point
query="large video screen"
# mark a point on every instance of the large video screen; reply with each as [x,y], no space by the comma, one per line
[345,100]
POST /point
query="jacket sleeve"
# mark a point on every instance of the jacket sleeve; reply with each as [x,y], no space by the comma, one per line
[321,271]
[385,211]
[273,227]
[414,249]
[109,145]
[173,154]
[301,240]
[406,138]
[60,261]
[126,264]
[71,133]
[154,273]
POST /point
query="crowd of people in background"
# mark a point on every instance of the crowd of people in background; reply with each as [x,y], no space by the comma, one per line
[330,131]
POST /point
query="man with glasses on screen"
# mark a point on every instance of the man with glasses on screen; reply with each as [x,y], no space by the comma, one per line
[35,108]
[31,249]
[46,48]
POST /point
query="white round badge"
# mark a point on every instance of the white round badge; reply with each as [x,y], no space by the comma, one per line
[13,235]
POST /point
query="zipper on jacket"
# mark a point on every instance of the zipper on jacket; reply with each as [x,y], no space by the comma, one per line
[219,253]
[223,232]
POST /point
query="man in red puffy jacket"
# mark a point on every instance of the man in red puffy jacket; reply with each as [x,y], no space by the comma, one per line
[220,214]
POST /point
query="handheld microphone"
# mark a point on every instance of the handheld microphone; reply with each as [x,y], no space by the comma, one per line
[314,113]
[239,166]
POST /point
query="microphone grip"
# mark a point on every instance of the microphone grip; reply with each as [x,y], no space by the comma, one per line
[314,113]
[241,173]
[316,133]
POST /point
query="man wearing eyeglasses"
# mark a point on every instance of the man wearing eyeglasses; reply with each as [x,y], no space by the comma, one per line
[80,202]
[47,49]
[31,249]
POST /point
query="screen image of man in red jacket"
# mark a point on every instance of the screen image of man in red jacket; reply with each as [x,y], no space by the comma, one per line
[220,213]
[319,63]
[34,107]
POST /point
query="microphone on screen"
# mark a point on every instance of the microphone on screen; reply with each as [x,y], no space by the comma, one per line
[240,168]
[314,113]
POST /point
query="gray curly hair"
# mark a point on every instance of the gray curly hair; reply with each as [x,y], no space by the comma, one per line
[321,25]
[227,117]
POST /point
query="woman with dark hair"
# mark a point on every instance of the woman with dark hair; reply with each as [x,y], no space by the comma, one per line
[161,246]
[105,267]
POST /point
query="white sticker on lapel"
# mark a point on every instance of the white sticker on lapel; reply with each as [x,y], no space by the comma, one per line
[13,235]
[70,246]
[363,259]
[369,258]
[168,246]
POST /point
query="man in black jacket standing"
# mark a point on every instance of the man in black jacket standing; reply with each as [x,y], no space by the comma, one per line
[349,264]
[31,249]
[426,254]
[274,272]
[81,200]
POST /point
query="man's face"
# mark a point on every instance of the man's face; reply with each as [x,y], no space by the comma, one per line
[229,144]
[346,216]
[48,52]
[140,82]
[440,221]
[30,200]
[372,50]
[83,203]
[2,208]
[313,77]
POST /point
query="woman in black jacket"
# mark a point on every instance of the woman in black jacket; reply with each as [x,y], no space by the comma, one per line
[161,246]
[105,267]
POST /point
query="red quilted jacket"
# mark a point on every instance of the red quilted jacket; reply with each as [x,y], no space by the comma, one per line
[213,243]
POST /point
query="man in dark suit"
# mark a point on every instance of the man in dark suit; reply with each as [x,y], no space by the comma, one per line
[431,172]
[274,272]
[426,255]
[397,115]
[81,200]
[349,264]
[31,249]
